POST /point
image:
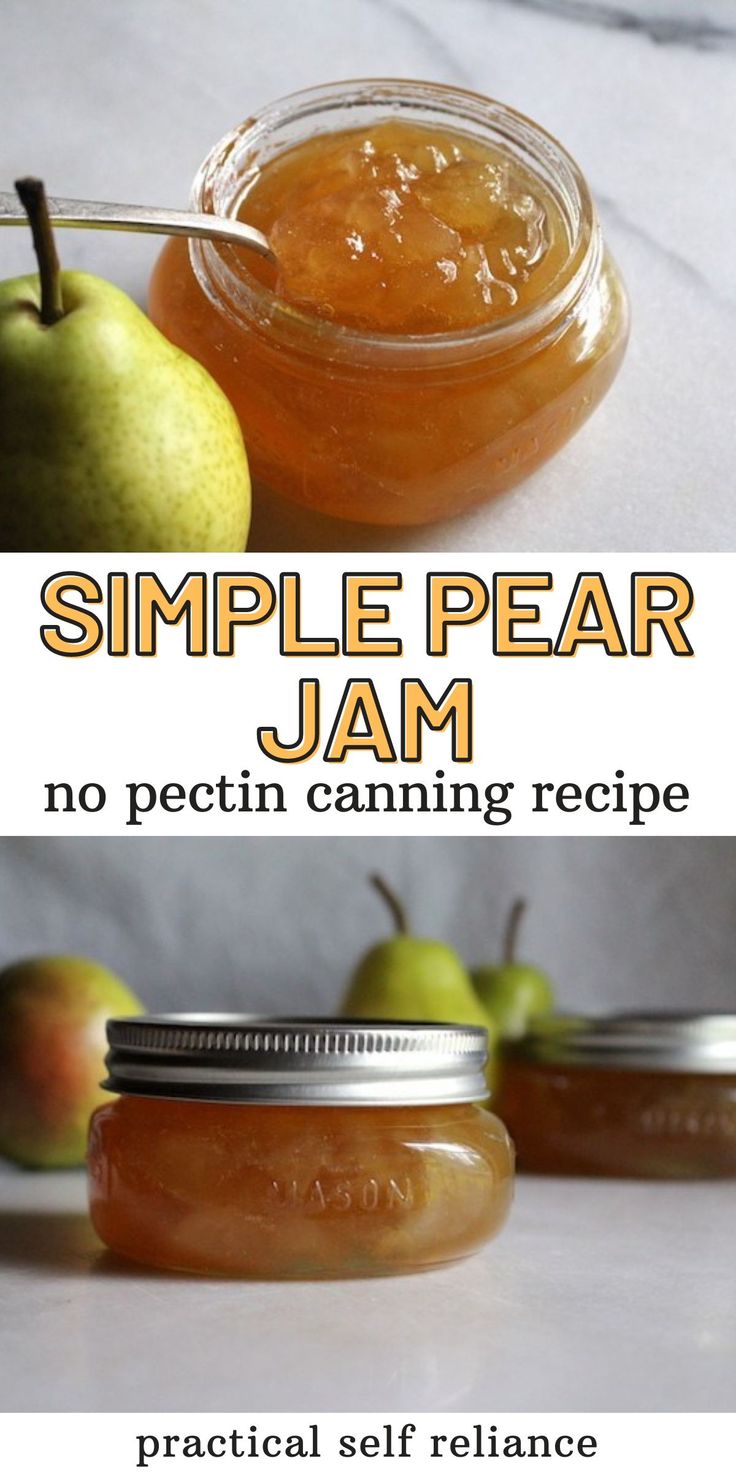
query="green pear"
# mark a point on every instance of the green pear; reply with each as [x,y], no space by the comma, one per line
[53,1011]
[512,992]
[111,439]
[412,979]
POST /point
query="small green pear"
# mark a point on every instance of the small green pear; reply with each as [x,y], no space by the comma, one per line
[53,1011]
[111,439]
[512,992]
[411,979]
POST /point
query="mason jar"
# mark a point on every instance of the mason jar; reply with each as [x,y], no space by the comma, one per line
[640,1094]
[296,1148]
[394,428]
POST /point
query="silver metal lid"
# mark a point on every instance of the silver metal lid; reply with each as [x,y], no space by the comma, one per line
[295,1060]
[671,1042]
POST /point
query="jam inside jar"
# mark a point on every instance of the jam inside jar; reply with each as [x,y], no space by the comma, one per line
[442,316]
[640,1095]
[264,1168]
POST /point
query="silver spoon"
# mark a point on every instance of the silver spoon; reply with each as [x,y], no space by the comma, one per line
[92,214]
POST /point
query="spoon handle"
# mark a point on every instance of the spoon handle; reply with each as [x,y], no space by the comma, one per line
[91,214]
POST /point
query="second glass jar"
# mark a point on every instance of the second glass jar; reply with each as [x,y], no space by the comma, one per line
[651,1095]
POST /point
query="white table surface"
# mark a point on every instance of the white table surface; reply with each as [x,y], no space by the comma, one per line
[123,101]
[598,1296]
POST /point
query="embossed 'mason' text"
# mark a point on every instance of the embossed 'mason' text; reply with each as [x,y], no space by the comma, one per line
[671,1121]
[371,1193]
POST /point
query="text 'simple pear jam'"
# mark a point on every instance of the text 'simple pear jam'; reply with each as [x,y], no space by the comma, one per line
[296,1148]
[442,316]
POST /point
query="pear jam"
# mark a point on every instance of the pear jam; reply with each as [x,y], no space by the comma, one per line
[296,1149]
[641,1095]
[405,228]
[441,314]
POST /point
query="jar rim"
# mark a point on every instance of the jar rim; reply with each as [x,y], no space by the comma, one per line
[249,300]
[295,1060]
[672,1042]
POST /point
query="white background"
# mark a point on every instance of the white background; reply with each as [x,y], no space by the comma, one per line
[175,718]
[123,101]
[634,1441]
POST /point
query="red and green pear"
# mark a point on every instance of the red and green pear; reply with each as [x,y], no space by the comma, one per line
[53,1011]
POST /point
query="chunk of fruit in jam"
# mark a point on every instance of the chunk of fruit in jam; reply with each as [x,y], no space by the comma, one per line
[406,229]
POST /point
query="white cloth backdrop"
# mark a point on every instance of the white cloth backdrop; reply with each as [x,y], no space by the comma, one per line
[273,924]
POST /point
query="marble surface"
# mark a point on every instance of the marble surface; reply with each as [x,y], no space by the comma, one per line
[598,1296]
[123,101]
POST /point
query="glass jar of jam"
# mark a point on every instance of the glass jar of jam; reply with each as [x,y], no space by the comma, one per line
[296,1148]
[641,1094]
[442,315]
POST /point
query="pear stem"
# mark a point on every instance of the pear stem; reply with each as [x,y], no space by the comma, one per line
[32,196]
[394,904]
[511,933]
